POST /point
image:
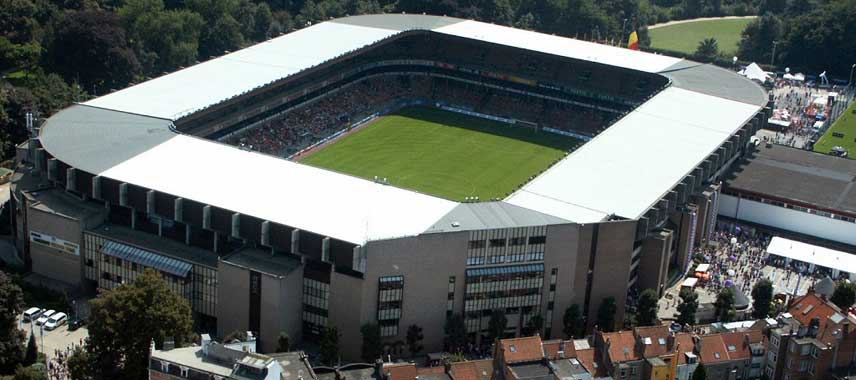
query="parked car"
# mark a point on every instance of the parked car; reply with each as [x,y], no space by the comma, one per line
[32,314]
[75,324]
[55,321]
[44,317]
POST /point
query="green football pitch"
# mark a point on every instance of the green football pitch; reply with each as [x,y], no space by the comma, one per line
[444,154]
[845,127]
[685,37]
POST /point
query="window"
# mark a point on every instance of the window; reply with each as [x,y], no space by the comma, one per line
[90,263]
[805,350]
[134,267]
[477,244]
[537,239]
[515,241]
[390,295]
[495,243]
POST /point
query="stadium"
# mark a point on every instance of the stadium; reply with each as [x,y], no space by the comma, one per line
[389,169]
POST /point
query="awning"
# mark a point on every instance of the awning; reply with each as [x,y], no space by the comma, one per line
[147,258]
[702,268]
[690,282]
[812,254]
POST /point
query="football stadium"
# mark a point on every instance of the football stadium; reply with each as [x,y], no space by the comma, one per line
[389,169]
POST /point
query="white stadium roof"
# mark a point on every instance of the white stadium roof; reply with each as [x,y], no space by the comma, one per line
[127,136]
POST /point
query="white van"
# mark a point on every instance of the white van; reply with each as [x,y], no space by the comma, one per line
[32,313]
[44,317]
[55,321]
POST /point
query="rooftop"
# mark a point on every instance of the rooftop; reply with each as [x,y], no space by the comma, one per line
[157,244]
[192,357]
[59,202]
[518,350]
[263,261]
[809,178]
[128,136]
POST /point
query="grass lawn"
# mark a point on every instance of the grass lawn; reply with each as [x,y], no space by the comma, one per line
[686,37]
[444,154]
[846,125]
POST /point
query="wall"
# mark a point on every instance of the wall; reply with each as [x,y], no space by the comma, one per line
[612,267]
[51,262]
[561,252]
[281,308]
[233,289]
[787,219]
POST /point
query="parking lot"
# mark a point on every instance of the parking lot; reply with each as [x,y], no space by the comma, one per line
[59,339]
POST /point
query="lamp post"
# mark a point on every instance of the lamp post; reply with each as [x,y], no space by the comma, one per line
[773,57]
[734,62]
[850,82]
[623,28]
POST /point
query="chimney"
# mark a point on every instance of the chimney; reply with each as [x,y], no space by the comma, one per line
[746,340]
[378,364]
[205,342]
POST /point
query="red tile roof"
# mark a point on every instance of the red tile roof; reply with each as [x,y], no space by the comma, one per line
[519,350]
[712,349]
[430,370]
[740,342]
[811,306]
[552,348]
[472,370]
[684,343]
[404,371]
[586,358]
[654,340]
[622,346]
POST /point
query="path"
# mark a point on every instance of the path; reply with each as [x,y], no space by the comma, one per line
[675,22]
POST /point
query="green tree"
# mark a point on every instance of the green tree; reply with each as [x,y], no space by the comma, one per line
[724,305]
[32,352]
[535,325]
[762,296]
[164,39]
[149,308]
[90,47]
[496,325]
[35,372]
[414,339]
[688,307]
[756,43]
[700,373]
[329,346]
[707,49]
[844,295]
[606,314]
[646,309]
[573,324]
[456,333]
[11,339]
[372,345]
[283,342]
[818,40]
[79,365]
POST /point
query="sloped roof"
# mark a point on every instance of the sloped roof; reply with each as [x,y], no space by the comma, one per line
[524,349]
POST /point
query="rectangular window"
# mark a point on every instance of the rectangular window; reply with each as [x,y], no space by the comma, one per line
[390,296]
[537,239]
[477,244]
[494,243]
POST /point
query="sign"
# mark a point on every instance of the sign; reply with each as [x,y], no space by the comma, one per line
[55,243]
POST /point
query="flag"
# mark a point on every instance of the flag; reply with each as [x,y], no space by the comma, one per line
[633,42]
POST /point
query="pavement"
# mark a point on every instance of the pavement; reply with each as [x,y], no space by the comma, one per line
[58,339]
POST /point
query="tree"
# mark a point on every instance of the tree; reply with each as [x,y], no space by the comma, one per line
[762,296]
[573,324]
[35,372]
[456,333]
[90,47]
[11,339]
[497,324]
[707,49]
[688,307]
[606,314]
[149,308]
[329,346]
[816,41]
[700,373]
[844,295]
[756,43]
[79,365]
[283,343]
[414,339]
[724,305]
[646,309]
[372,345]
[534,326]
[32,353]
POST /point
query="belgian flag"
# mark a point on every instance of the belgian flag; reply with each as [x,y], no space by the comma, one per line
[633,42]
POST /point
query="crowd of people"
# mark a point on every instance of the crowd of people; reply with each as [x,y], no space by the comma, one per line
[795,105]
[736,258]
[308,123]
[58,363]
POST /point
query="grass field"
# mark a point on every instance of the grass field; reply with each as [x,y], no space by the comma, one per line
[444,154]
[846,125]
[686,37]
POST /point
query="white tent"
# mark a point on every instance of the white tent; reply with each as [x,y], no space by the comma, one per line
[754,72]
[796,77]
[812,254]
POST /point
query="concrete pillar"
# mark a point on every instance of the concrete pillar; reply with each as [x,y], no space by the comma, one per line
[123,194]
[295,241]
[178,214]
